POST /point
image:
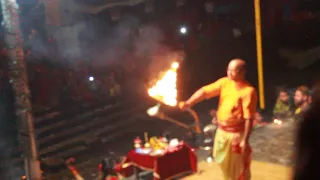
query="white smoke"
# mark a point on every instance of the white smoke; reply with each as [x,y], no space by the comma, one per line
[68,41]
[100,42]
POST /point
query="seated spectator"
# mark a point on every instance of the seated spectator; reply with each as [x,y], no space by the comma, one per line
[307,155]
[213,113]
[301,101]
[283,107]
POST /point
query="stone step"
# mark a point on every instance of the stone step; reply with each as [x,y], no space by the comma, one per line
[93,131]
[83,128]
[74,131]
[71,152]
[74,121]
[88,164]
[17,151]
[81,139]
[70,111]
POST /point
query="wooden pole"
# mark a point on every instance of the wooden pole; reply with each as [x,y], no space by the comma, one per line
[257,10]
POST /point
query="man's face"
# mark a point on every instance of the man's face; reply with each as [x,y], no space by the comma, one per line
[299,98]
[284,97]
[234,72]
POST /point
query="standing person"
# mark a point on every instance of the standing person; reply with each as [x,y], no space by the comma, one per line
[235,115]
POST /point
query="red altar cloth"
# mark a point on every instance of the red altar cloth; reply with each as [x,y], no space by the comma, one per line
[165,166]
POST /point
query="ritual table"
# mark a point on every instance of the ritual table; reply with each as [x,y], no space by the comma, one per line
[166,166]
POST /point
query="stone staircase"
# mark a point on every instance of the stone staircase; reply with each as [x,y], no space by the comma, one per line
[77,130]
[88,132]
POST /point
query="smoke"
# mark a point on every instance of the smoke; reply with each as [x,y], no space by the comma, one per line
[149,41]
[100,43]
[67,40]
[113,43]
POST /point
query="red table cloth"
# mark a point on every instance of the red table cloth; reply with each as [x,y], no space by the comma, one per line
[166,166]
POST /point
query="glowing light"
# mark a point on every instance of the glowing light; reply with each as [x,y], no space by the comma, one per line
[209,159]
[91,78]
[175,65]
[174,142]
[165,89]
[277,121]
[153,110]
[183,30]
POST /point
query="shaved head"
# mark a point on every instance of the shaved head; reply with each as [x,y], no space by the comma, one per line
[237,64]
[236,69]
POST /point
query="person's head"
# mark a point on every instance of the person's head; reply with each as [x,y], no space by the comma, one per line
[236,69]
[315,97]
[283,96]
[301,95]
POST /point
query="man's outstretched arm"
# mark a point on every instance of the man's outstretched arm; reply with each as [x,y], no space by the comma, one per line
[205,92]
[197,97]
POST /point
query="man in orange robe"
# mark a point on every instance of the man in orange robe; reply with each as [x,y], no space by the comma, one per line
[235,115]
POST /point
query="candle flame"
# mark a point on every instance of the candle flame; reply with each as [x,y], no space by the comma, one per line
[165,89]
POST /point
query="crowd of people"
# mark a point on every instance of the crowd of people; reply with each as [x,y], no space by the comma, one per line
[292,104]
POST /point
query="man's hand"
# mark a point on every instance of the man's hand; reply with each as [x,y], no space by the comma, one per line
[70,161]
[214,121]
[183,105]
[245,149]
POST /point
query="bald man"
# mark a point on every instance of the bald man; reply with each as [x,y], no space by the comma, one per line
[235,115]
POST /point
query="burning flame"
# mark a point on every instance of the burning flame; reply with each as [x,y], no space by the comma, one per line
[165,89]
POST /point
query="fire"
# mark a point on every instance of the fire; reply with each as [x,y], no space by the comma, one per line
[165,89]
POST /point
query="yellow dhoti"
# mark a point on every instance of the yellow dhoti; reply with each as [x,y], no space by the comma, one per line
[228,156]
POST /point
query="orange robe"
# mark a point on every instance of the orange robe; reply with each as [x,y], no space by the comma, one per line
[237,104]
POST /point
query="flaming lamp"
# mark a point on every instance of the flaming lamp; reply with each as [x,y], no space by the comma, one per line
[165,91]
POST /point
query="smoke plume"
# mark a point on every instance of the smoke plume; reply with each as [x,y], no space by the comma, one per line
[99,42]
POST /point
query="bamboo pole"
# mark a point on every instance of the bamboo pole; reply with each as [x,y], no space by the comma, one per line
[257,10]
